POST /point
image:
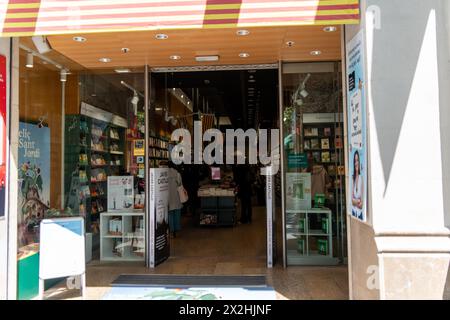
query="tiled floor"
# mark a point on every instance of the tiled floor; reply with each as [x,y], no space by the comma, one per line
[223,251]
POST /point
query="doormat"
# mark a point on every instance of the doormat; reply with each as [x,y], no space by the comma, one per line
[180,287]
[147,280]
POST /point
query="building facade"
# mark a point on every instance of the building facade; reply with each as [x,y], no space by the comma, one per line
[395,79]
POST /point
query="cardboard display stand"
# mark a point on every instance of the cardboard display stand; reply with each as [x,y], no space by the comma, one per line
[62,251]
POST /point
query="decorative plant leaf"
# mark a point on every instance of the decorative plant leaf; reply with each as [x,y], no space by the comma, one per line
[39,182]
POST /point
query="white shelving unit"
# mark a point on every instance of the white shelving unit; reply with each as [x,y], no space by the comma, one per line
[125,244]
[309,237]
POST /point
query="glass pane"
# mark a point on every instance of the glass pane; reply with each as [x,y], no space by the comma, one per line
[314,163]
[80,132]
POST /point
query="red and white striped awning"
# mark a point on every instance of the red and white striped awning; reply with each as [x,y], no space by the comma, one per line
[45,17]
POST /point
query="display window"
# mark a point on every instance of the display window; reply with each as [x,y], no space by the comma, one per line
[314,168]
[80,154]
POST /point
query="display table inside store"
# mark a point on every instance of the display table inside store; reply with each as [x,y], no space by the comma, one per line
[217,206]
[309,237]
[122,235]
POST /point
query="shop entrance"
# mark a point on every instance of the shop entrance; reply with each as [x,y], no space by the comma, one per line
[224,221]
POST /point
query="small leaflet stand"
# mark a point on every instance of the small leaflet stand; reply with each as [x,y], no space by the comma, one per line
[62,252]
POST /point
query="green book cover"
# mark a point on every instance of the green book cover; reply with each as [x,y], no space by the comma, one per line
[301,246]
[325,225]
[322,245]
[302,225]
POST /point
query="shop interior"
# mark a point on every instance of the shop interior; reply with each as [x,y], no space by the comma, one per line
[64,169]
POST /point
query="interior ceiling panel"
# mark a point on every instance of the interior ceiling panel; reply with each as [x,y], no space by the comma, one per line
[264,45]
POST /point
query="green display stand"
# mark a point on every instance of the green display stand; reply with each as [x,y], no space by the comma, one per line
[28,277]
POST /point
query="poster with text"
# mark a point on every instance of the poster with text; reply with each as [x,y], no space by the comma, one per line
[33,179]
[298,190]
[158,240]
[120,193]
[356,112]
[3,142]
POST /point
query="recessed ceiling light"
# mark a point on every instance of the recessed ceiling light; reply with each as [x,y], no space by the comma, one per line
[105,60]
[125,50]
[79,39]
[206,58]
[244,55]
[182,96]
[122,70]
[290,43]
[175,57]
[161,36]
[330,29]
[316,52]
[242,32]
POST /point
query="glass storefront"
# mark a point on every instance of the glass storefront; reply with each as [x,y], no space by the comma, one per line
[314,163]
[81,153]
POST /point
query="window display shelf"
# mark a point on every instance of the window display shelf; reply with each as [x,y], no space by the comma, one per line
[308,235]
[130,245]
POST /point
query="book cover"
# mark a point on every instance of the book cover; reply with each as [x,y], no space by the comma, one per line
[325,225]
[316,156]
[322,245]
[325,143]
[311,132]
[34,180]
[341,170]
[325,156]
[302,225]
[327,132]
[315,144]
[331,170]
[338,143]
[301,246]
[307,144]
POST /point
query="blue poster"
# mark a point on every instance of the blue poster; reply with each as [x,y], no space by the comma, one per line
[356,113]
[34,180]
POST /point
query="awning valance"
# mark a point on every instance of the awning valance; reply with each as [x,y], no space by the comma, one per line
[45,17]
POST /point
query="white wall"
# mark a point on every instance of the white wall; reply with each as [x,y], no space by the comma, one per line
[4,50]
[408,85]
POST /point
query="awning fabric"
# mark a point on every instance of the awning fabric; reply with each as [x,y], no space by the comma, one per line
[45,17]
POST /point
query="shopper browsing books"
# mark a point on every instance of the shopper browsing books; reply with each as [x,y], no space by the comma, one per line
[175,204]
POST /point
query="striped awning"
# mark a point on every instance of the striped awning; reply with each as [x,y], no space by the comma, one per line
[45,17]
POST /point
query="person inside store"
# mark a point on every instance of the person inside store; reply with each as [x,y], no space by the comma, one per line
[243,179]
[175,204]
[358,187]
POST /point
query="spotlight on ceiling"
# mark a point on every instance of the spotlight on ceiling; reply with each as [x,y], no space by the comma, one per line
[79,39]
[316,53]
[161,36]
[29,63]
[242,32]
[104,60]
[244,55]
[175,57]
[330,29]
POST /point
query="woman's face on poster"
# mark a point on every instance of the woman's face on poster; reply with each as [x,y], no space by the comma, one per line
[356,163]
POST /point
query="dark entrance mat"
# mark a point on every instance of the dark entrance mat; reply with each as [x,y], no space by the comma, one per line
[158,280]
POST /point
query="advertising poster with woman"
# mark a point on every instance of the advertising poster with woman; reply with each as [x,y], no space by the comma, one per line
[356,113]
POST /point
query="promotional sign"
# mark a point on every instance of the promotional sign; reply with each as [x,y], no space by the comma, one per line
[3,141]
[298,190]
[62,249]
[356,111]
[158,220]
[34,180]
[120,193]
[138,147]
[297,161]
